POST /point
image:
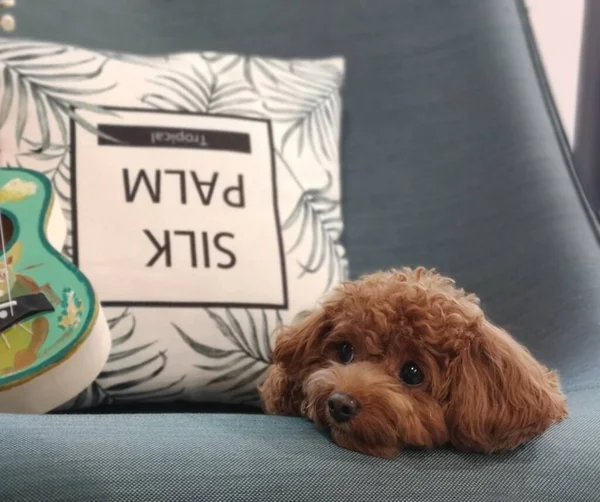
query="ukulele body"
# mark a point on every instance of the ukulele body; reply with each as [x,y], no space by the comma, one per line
[54,339]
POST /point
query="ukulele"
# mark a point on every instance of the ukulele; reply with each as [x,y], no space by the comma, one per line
[54,339]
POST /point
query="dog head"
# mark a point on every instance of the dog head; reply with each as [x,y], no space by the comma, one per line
[404,358]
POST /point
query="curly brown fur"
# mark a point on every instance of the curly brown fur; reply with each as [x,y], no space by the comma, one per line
[481,390]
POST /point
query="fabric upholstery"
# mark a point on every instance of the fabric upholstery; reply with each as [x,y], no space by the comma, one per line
[452,157]
[193,457]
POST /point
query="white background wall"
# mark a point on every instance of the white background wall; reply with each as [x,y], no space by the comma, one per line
[557,25]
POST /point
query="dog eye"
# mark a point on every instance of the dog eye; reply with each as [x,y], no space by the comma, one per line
[346,352]
[411,374]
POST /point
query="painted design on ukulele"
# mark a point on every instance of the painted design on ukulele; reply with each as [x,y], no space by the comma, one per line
[46,306]
[16,190]
[72,309]
[22,341]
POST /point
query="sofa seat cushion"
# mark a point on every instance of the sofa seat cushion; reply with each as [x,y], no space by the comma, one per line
[190,457]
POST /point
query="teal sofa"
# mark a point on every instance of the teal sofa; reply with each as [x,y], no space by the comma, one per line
[453,157]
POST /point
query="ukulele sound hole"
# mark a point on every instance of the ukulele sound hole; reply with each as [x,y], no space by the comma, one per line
[8,230]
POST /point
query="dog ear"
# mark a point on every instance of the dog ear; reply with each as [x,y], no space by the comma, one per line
[297,348]
[498,395]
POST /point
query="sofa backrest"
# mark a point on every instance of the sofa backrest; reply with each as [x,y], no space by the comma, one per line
[452,153]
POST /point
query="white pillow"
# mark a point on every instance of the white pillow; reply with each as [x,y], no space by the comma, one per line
[202,193]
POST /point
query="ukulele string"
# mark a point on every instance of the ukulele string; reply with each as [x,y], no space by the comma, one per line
[25,328]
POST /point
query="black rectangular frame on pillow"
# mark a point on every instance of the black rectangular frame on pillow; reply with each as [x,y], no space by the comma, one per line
[128,136]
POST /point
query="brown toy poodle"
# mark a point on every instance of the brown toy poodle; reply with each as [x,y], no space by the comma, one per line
[404,358]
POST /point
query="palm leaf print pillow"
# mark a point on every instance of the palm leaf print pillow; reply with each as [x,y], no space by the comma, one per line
[202,195]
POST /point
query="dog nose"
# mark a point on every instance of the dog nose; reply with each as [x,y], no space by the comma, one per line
[342,407]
